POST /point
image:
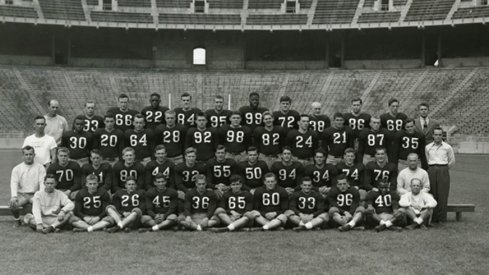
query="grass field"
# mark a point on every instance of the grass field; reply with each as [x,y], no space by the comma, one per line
[453,248]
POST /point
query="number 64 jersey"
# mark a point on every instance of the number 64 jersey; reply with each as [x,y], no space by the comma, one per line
[346,201]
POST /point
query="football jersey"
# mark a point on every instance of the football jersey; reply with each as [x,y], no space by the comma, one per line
[110,144]
[173,139]
[236,140]
[142,142]
[369,140]
[68,177]
[357,122]
[310,203]
[185,177]
[121,172]
[386,203]
[220,172]
[205,141]
[406,143]
[266,201]
[252,117]
[303,145]
[196,202]
[393,123]
[288,175]
[239,202]
[354,173]
[79,144]
[319,123]
[269,142]
[103,173]
[123,120]
[91,124]
[374,172]
[126,202]
[345,201]
[161,201]
[217,119]
[187,117]
[252,173]
[288,120]
[154,116]
[321,176]
[167,168]
[335,141]
[92,205]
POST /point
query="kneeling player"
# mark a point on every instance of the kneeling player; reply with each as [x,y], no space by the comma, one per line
[418,205]
[344,204]
[307,209]
[200,205]
[127,207]
[236,205]
[161,206]
[270,203]
[90,204]
[383,208]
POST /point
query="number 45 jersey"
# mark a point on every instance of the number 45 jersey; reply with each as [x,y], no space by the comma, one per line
[161,201]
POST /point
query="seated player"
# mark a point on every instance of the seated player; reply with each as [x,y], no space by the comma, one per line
[90,204]
[252,170]
[200,206]
[51,208]
[68,173]
[161,206]
[127,207]
[288,171]
[383,210]
[307,208]
[270,202]
[219,171]
[235,206]
[418,205]
[321,173]
[344,204]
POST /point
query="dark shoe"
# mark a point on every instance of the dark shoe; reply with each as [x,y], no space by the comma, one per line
[380,227]
[113,229]
[411,226]
[395,228]
[218,229]
[48,230]
[344,228]
[79,230]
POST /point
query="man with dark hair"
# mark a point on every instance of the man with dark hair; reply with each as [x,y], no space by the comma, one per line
[356,119]
[393,121]
[44,145]
[154,114]
[269,139]
[289,172]
[235,138]
[92,121]
[344,204]
[171,135]
[102,170]
[140,139]
[200,207]
[321,173]
[186,115]
[383,210]
[78,142]
[124,116]
[380,169]
[408,141]
[204,139]
[160,165]
[336,139]
[219,170]
[109,141]
[218,116]
[286,117]
[68,173]
[303,141]
[252,169]
[424,123]
[252,115]
[371,138]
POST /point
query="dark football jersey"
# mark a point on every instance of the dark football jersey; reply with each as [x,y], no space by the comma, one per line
[121,172]
[187,117]
[79,144]
[123,120]
[91,124]
[345,201]
[319,123]
[266,201]
[374,173]
[354,172]
[103,173]
[196,202]
[142,142]
[369,139]
[173,139]
[321,176]
[236,140]
[385,203]
[126,202]
[406,143]
[185,177]
[393,123]
[252,173]
[217,119]
[154,116]
[288,120]
[92,205]
[310,203]
[205,141]
[220,172]
[357,122]
[252,117]
[269,142]
[288,175]
[68,177]
[335,141]
[239,202]
[161,201]
[110,144]
[303,145]
[167,168]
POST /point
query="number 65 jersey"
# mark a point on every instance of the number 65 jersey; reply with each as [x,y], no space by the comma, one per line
[348,200]
[241,202]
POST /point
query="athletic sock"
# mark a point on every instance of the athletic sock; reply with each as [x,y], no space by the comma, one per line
[352,223]
[301,223]
[199,228]
[388,223]
[382,222]
[155,228]
[266,227]
[231,227]
[308,225]
[90,229]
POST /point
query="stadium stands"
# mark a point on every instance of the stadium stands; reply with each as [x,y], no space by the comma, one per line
[399,2]
[134,3]
[15,11]
[335,11]
[277,19]
[225,4]
[379,17]
[62,9]
[472,12]
[427,10]
[368,3]
[122,17]
[203,19]
[183,4]
[92,2]
[305,4]
[264,4]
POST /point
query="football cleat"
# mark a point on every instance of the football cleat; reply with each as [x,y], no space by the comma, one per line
[218,229]
[113,229]
[395,228]
[48,230]
[379,228]
[144,229]
[344,228]
[411,226]
[79,230]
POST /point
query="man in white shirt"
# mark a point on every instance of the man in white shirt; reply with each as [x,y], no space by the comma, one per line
[440,157]
[418,205]
[55,124]
[412,171]
[26,179]
[44,145]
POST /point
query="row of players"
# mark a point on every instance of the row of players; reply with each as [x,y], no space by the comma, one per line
[269,207]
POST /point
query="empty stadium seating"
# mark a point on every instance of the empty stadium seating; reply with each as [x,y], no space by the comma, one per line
[62,9]
[134,3]
[426,10]
[183,4]
[279,19]
[305,4]
[15,11]
[122,17]
[226,4]
[264,4]
[204,19]
[378,17]
[471,12]
[335,11]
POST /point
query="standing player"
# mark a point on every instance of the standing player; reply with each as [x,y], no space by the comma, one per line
[56,124]
[68,173]
[186,173]
[200,207]
[252,169]
[286,117]
[289,173]
[321,173]
[383,208]
[317,121]
[122,114]
[344,204]
[235,207]
[109,141]
[186,115]
[236,138]
[140,139]
[44,145]
[378,170]
[204,139]
[26,179]
[161,206]
[252,115]
[371,138]
[219,170]
[127,208]
[425,124]
[90,204]
[78,142]
[406,142]
[160,165]
[353,171]
[418,205]
[217,117]
[306,207]
[393,121]
[336,139]
[355,119]
[270,202]
[127,167]
[92,121]
[171,135]
[303,141]
[154,114]
[103,171]
[269,139]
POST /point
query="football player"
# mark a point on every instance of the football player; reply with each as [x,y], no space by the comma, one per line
[219,171]
[171,135]
[356,119]
[393,121]
[285,117]
[186,172]
[204,139]
[109,141]
[103,171]
[126,167]
[154,113]
[303,141]
[378,170]
[318,122]
[160,165]
[418,205]
[218,116]
[353,171]
[321,173]
[409,141]
[269,139]
[252,115]
[371,138]
[383,210]
[289,173]
[78,142]
[236,138]
[92,121]
[140,139]
[186,115]
[344,204]
[68,173]
[122,114]
[252,169]
[336,139]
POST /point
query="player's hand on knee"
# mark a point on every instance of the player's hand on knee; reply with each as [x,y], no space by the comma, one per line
[94,220]
[14,203]
[159,218]
[348,215]
[181,194]
[271,215]
[61,215]
[204,222]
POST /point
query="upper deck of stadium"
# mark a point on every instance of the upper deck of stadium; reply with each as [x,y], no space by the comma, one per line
[246,14]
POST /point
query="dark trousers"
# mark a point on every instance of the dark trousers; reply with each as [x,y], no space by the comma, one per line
[439,188]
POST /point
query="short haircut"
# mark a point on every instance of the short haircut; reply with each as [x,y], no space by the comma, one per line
[380,149]
[127,150]
[438,128]
[304,115]
[251,149]
[392,100]
[219,97]
[95,151]
[316,104]
[160,175]
[220,147]
[155,94]
[39,117]
[424,104]
[254,94]
[338,115]
[89,102]
[190,150]
[109,115]
[63,150]
[91,176]
[51,101]
[269,175]
[123,96]
[28,148]
[342,177]
[234,113]
[357,99]
[50,176]
[79,117]
[409,120]
[306,178]
[321,151]
[129,178]
[349,150]
[267,113]
[171,113]
[201,114]
[412,154]
[415,179]
[185,95]
[285,98]
[138,116]
[286,148]
[235,178]
[200,177]
[160,147]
